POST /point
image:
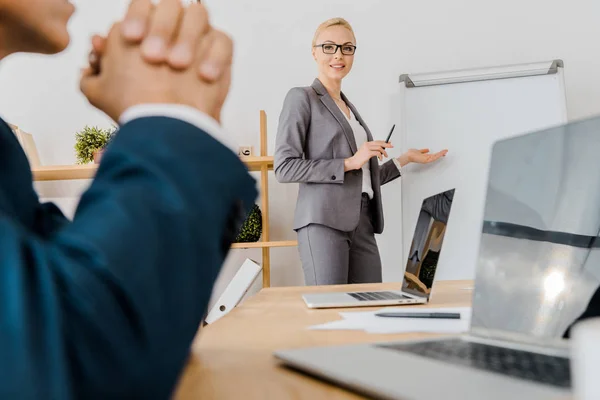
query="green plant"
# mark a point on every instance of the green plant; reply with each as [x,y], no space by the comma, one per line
[251,229]
[89,140]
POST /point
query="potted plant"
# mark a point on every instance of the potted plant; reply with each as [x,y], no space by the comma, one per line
[90,142]
[251,229]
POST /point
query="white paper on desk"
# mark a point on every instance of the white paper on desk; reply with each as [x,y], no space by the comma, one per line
[341,325]
[369,322]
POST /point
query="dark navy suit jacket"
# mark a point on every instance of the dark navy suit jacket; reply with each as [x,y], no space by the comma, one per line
[106,306]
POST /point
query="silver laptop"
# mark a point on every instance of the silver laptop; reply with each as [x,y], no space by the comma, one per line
[420,267]
[538,265]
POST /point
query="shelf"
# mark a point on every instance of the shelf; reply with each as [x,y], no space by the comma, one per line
[256,163]
[260,245]
[64,172]
[87,171]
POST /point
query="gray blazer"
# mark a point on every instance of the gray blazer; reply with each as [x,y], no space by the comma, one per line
[313,139]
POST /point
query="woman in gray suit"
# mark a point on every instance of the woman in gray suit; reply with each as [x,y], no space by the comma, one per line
[324,144]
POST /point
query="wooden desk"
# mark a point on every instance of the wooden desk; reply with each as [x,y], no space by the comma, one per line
[232,358]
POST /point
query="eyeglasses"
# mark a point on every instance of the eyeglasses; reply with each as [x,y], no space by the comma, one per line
[332,48]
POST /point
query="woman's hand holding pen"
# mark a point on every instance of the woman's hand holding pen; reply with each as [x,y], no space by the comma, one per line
[367,151]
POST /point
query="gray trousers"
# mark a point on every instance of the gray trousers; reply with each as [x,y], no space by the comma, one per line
[333,257]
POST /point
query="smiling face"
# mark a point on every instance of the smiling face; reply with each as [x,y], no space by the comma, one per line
[334,66]
[36,26]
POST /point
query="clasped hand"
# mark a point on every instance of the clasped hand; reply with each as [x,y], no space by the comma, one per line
[148,58]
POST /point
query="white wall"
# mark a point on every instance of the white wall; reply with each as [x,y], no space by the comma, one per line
[272,40]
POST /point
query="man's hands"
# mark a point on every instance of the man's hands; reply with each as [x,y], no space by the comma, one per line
[147,59]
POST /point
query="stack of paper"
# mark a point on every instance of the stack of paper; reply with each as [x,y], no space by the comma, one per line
[371,323]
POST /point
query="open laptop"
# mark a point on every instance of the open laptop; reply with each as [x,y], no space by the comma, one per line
[421,264]
[538,265]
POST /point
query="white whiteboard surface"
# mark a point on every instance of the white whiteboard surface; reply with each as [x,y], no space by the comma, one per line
[466,117]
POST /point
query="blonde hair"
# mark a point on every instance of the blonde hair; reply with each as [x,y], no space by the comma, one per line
[332,22]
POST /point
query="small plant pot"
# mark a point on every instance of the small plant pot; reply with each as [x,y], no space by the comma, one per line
[97,156]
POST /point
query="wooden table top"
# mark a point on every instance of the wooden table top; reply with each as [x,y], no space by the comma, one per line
[232,358]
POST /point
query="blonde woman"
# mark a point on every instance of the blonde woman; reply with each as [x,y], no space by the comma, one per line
[324,144]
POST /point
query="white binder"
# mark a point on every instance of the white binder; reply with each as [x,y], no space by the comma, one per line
[234,292]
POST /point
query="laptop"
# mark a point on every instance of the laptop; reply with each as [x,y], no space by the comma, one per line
[536,270]
[420,268]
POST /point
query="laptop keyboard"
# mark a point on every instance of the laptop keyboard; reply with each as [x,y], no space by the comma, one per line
[370,296]
[540,368]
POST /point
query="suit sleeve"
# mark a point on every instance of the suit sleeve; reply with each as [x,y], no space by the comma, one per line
[18,198]
[108,305]
[388,172]
[292,133]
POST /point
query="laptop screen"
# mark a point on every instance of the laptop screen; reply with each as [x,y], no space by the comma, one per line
[538,262]
[427,243]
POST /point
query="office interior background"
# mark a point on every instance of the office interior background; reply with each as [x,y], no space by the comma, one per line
[272,54]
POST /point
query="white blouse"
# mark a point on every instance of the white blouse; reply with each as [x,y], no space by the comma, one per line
[360,136]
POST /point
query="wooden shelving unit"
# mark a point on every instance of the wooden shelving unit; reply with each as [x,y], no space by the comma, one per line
[87,171]
[262,164]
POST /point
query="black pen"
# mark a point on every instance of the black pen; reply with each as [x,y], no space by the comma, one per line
[390,134]
[440,315]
